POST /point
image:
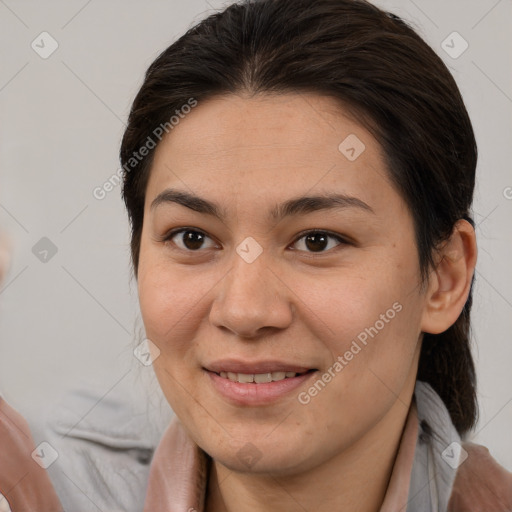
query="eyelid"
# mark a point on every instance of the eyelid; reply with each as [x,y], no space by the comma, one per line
[343,240]
[173,232]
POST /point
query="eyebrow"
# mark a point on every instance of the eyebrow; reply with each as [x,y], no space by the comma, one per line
[296,206]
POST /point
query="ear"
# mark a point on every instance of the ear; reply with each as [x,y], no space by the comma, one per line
[450,281]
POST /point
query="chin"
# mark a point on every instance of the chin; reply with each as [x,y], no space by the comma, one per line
[258,452]
[251,459]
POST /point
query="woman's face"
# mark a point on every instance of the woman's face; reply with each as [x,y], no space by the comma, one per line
[243,279]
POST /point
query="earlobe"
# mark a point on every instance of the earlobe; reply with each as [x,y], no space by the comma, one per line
[450,281]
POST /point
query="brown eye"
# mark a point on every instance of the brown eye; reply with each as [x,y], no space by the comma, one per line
[188,239]
[318,241]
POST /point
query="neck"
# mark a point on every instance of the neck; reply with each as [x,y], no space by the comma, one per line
[355,479]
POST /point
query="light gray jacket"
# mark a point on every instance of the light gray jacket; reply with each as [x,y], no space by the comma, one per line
[105,443]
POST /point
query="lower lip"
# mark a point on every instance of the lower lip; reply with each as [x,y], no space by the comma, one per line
[256,394]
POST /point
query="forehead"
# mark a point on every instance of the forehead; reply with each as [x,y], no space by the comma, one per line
[233,122]
[288,143]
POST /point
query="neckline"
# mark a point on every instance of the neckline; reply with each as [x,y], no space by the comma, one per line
[180,471]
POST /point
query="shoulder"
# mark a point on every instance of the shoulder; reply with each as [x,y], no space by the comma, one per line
[481,484]
[105,441]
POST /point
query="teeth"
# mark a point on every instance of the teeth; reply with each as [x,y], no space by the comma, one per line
[258,378]
[244,377]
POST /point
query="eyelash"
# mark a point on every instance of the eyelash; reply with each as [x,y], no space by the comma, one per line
[343,241]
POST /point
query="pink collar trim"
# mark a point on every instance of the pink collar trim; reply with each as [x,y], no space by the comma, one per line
[179,471]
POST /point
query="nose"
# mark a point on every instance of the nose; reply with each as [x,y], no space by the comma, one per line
[251,299]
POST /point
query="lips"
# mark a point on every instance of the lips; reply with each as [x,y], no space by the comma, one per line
[256,383]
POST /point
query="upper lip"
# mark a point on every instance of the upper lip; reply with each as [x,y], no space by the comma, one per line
[254,367]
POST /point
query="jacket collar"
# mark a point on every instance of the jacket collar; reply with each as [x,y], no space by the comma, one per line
[421,479]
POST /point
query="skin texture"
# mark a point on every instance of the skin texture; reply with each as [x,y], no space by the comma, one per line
[297,302]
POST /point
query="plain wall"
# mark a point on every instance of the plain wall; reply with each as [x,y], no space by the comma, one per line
[75,316]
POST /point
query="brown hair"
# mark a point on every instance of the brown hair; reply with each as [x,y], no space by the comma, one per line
[368,59]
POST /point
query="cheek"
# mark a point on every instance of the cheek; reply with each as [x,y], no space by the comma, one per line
[174,302]
[370,365]
[170,304]
[362,304]
[369,323]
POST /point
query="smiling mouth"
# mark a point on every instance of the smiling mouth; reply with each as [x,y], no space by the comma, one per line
[260,378]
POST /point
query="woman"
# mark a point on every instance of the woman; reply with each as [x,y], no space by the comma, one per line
[299,177]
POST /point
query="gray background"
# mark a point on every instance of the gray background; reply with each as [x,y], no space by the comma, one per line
[74,318]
